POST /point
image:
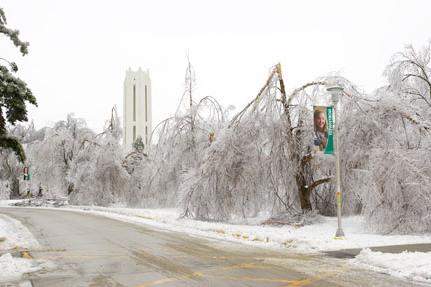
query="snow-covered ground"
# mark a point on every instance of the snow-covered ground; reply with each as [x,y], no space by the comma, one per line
[15,237]
[309,239]
[410,265]
[12,268]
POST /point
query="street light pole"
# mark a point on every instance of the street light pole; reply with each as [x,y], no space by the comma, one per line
[336,92]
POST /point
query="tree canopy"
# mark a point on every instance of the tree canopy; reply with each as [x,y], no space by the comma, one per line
[14,92]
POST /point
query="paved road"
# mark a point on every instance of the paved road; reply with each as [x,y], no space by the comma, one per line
[96,251]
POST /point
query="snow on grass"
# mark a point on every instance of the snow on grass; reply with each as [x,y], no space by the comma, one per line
[12,268]
[15,235]
[9,202]
[409,265]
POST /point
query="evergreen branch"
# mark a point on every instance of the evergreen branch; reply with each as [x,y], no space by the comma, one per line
[13,144]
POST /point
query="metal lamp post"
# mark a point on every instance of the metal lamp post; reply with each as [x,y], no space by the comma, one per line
[336,92]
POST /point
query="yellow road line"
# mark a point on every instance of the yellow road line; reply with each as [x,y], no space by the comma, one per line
[25,254]
[209,273]
[237,266]
[167,280]
[157,282]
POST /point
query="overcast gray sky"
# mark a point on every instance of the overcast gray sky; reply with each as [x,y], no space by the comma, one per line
[79,50]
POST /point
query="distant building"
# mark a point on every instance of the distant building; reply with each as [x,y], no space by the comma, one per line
[137,108]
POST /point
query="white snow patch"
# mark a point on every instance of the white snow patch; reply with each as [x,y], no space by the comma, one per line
[12,269]
[9,202]
[15,235]
[410,265]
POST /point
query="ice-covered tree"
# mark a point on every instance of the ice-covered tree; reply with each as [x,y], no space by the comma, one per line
[138,145]
[10,172]
[11,169]
[52,157]
[97,173]
[262,161]
[389,165]
[178,142]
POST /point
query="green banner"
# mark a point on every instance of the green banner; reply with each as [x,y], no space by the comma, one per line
[26,172]
[323,129]
[330,116]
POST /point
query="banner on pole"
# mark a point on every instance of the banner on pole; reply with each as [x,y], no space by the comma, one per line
[323,129]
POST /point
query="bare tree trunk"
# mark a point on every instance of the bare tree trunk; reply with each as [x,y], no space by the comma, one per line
[304,194]
[14,188]
[192,117]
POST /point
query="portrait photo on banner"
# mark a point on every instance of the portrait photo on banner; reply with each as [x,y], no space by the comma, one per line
[323,129]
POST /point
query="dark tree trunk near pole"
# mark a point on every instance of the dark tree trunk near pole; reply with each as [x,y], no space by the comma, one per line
[14,188]
[304,194]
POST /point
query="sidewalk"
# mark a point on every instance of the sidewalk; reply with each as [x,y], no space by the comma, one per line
[351,253]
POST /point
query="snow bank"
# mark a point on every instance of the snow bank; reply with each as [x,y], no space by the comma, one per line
[410,265]
[15,235]
[12,269]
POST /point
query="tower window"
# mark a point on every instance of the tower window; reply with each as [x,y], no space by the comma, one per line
[146,110]
[134,102]
[134,133]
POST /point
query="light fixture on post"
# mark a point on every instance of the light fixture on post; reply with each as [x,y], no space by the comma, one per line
[336,92]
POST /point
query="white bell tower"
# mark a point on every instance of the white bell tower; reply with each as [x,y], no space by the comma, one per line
[137,110]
